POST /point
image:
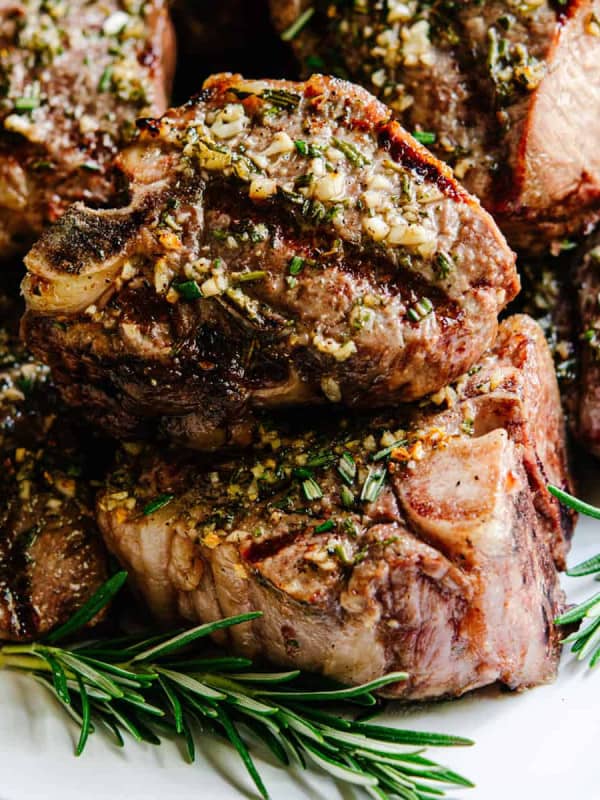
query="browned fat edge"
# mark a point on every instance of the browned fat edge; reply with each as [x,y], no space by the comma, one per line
[392,139]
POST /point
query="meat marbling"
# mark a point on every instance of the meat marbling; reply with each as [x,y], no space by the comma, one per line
[422,540]
[284,244]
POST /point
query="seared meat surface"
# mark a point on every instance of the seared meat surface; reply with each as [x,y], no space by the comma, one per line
[75,76]
[506,92]
[51,555]
[422,540]
[284,244]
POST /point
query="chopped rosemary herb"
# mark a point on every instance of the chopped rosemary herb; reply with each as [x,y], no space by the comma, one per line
[27,103]
[347,468]
[468,427]
[105,81]
[443,266]
[297,25]
[255,275]
[425,137]
[346,496]
[373,485]
[387,451]
[340,551]
[323,459]
[352,153]
[189,290]
[420,310]
[308,149]
[159,502]
[326,526]
[281,98]
[296,265]
[311,489]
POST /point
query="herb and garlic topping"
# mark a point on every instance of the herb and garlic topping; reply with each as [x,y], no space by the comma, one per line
[478,83]
[74,76]
[284,243]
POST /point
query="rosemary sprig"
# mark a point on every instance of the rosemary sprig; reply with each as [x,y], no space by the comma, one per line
[585,641]
[148,688]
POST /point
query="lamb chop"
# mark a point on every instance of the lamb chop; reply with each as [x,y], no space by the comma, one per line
[284,244]
[74,78]
[423,540]
[505,92]
[51,555]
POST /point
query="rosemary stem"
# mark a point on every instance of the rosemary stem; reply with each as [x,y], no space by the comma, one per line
[26,662]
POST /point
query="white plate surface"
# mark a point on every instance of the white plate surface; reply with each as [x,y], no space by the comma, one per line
[540,744]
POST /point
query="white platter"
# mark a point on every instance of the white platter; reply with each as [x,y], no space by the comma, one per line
[539,744]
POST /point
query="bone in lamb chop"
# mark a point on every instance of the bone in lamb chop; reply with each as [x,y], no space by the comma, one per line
[284,244]
[422,540]
[51,555]
[505,92]
[75,76]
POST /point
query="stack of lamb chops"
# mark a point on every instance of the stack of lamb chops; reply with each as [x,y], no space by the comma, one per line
[289,317]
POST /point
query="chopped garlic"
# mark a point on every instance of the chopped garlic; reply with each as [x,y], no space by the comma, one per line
[331,187]
[376,227]
[262,188]
[281,144]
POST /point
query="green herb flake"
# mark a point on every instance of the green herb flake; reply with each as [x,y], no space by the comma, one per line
[28,103]
[347,468]
[311,489]
[443,265]
[105,82]
[373,485]
[346,496]
[352,153]
[325,527]
[159,502]
[387,451]
[255,275]
[189,290]
[296,265]
[425,137]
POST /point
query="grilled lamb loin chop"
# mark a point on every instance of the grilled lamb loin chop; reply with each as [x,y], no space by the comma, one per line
[420,541]
[74,78]
[284,244]
[509,91]
[51,555]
